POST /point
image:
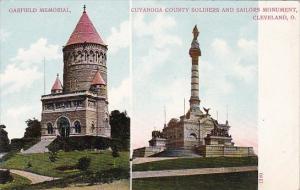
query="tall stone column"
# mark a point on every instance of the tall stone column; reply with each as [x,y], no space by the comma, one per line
[195,52]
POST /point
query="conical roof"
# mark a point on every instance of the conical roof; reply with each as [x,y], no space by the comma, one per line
[85,32]
[98,80]
[57,84]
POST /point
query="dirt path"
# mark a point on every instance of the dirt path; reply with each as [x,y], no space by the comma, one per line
[34,178]
[186,172]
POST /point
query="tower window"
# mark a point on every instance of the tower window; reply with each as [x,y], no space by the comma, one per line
[77,127]
[74,57]
[49,128]
[71,84]
[76,84]
[93,127]
[85,55]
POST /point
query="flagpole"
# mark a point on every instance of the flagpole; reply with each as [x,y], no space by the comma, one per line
[44,76]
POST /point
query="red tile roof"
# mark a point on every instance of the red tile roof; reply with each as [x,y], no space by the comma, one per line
[85,32]
[98,80]
[57,84]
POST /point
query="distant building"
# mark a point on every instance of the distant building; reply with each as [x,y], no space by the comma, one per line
[79,106]
[195,133]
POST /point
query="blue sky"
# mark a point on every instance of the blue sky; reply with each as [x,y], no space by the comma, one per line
[28,37]
[161,67]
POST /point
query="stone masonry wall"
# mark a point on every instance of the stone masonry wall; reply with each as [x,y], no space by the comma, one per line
[81,63]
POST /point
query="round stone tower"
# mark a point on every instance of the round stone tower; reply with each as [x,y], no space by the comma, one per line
[84,55]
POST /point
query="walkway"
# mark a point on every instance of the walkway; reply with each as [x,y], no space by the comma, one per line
[34,178]
[187,172]
[141,160]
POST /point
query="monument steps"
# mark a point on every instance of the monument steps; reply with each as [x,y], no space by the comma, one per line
[40,147]
[177,153]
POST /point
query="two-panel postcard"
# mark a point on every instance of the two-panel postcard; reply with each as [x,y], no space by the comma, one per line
[149,95]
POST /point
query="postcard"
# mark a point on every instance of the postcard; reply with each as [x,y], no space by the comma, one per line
[149,95]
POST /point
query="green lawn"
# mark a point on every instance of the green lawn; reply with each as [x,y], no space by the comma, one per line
[189,163]
[229,181]
[17,182]
[41,164]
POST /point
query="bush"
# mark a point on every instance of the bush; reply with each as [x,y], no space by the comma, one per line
[83,163]
[23,143]
[65,167]
[29,165]
[79,143]
[53,156]
[5,176]
[115,152]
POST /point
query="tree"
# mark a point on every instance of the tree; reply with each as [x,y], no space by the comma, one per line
[115,154]
[34,128]
[120,128]
[4,140]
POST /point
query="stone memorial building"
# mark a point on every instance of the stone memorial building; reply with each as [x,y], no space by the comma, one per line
[79,105]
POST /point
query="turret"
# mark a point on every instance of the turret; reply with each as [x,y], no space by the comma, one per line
[57,86]
[98,84]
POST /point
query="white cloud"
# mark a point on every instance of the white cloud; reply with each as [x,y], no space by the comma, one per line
[119,96]
[161,41]
[246,73]
[4,35]
[119,37]
[247,45]
[221,47]
[158,35]
[14,118]
[230,62]
[36,53]
[158,29]
[14,78]
[25,67]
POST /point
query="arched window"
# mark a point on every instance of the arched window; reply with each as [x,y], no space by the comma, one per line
[63,125]
[49,128]
[193,135]
[101,57]
[76,84]
[74,56]
[71,87]
[85,55]
[77,127]
[79,53]
[93,127]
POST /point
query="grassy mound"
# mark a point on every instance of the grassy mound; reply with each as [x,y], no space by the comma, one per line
[190,163]
[231,181]
[64,166]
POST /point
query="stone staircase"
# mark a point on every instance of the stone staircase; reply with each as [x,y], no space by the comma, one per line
[180,152]
[40,147]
